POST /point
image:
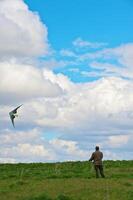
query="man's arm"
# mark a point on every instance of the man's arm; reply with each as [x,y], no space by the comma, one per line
[92,157]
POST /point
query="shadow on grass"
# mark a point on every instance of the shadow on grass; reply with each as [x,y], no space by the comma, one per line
[39,197]
[46,197]
[63,197]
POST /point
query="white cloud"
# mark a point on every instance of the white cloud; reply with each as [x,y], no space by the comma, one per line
[27,153]
[24,146]
[110,155]
[70,149]
[21,32]
[124,57]
[60,79]
[31,146]
[102,66]
[91,74]
[68,53]
[90,103]
[20,82]
[117,61]
[8,160]
[88,111]
[103,107]
[53,63]
[124,54]
[32,150]
[117,141]
[10,137]
[79,42]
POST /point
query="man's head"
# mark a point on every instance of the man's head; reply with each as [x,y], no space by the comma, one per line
[97,148]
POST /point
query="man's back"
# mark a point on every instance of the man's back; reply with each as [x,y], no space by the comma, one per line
[97,157]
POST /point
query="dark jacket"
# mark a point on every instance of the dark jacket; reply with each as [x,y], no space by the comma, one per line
[97,157]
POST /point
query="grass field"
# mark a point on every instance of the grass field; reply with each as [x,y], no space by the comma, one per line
[66,181]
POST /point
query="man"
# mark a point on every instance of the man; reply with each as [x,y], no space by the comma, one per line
[97,158]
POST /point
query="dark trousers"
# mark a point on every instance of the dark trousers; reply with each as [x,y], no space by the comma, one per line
[99,168]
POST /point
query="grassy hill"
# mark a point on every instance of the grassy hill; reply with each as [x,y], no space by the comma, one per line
[66,181]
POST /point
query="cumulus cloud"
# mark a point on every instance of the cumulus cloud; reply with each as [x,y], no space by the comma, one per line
[31,146]
[124,57]
[120,140]
[81,114]
[21,32]
[103,102]
[26,153]
[24,146]
[69,149]
[10,137]
[20,82]
[88,111]
[124,54]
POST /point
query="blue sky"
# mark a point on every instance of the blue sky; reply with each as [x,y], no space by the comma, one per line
[108,21]
[70,63]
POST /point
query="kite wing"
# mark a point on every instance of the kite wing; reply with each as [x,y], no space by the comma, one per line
[12,118]
[15,110]
[12,115]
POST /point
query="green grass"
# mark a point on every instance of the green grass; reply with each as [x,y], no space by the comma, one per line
[66,181]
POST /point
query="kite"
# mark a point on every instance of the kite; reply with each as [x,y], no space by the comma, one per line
[13,114]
